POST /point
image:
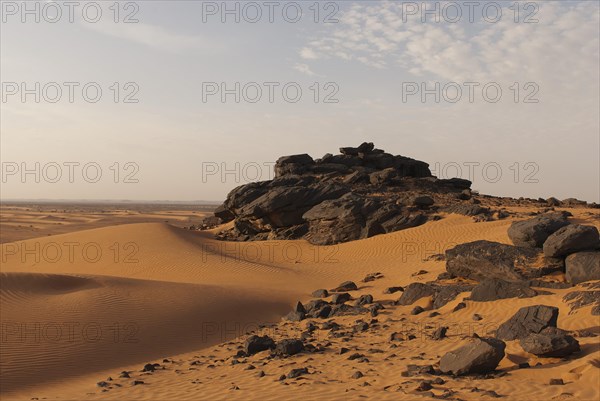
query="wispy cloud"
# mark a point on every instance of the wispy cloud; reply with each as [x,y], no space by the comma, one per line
[154,36]
[304,69]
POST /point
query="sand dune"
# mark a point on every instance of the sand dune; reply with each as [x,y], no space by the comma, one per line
[174,291]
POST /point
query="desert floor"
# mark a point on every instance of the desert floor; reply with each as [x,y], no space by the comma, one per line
[85,296]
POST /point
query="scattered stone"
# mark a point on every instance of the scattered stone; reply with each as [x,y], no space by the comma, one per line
[137,382]
[459,306]
[102,384]
[481,355]
[477,317]
[322,293]
[528,320]
[440,333]
[364,299]
[340,298]
[150,367]
[354,356]
[288,347]
[419,273]
[582,266]
[124,375]
[524,365]
[254,344]
[343,350]
[425,385]
[357,375]
[372,277]
[467,209]
[556,382]
[261,374]
[550,342]
[346,286]
[392,290]
[414,292]
[297,373]
[418,370]
[361,326]
[417,310]
[570,239]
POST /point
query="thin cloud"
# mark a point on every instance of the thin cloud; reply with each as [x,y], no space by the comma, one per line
[304,69]
[153,36]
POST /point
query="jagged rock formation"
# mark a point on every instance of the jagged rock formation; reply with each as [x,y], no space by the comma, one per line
[357,194]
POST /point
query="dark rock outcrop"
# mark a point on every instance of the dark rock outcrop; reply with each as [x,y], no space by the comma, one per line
[582,266]
[256,344]
[533,232]
[550,342]
[357,194]
[570,239]
[493,289]
[481,355]
[479,260]
[440,294]
[528,320]
[580,299]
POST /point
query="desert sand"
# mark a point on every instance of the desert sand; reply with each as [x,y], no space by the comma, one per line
[22,220]
[162,294]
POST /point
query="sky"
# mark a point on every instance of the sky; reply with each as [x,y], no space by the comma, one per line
[185,100]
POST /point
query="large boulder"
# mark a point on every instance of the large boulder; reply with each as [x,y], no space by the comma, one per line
[481,355]
[550,343]
[440,294]
[528,320]
[294,164]
[289,347]
[414,292]
[533,232]
[570,239]
[480,260]
[582,266]
[493,289]
[256,344]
